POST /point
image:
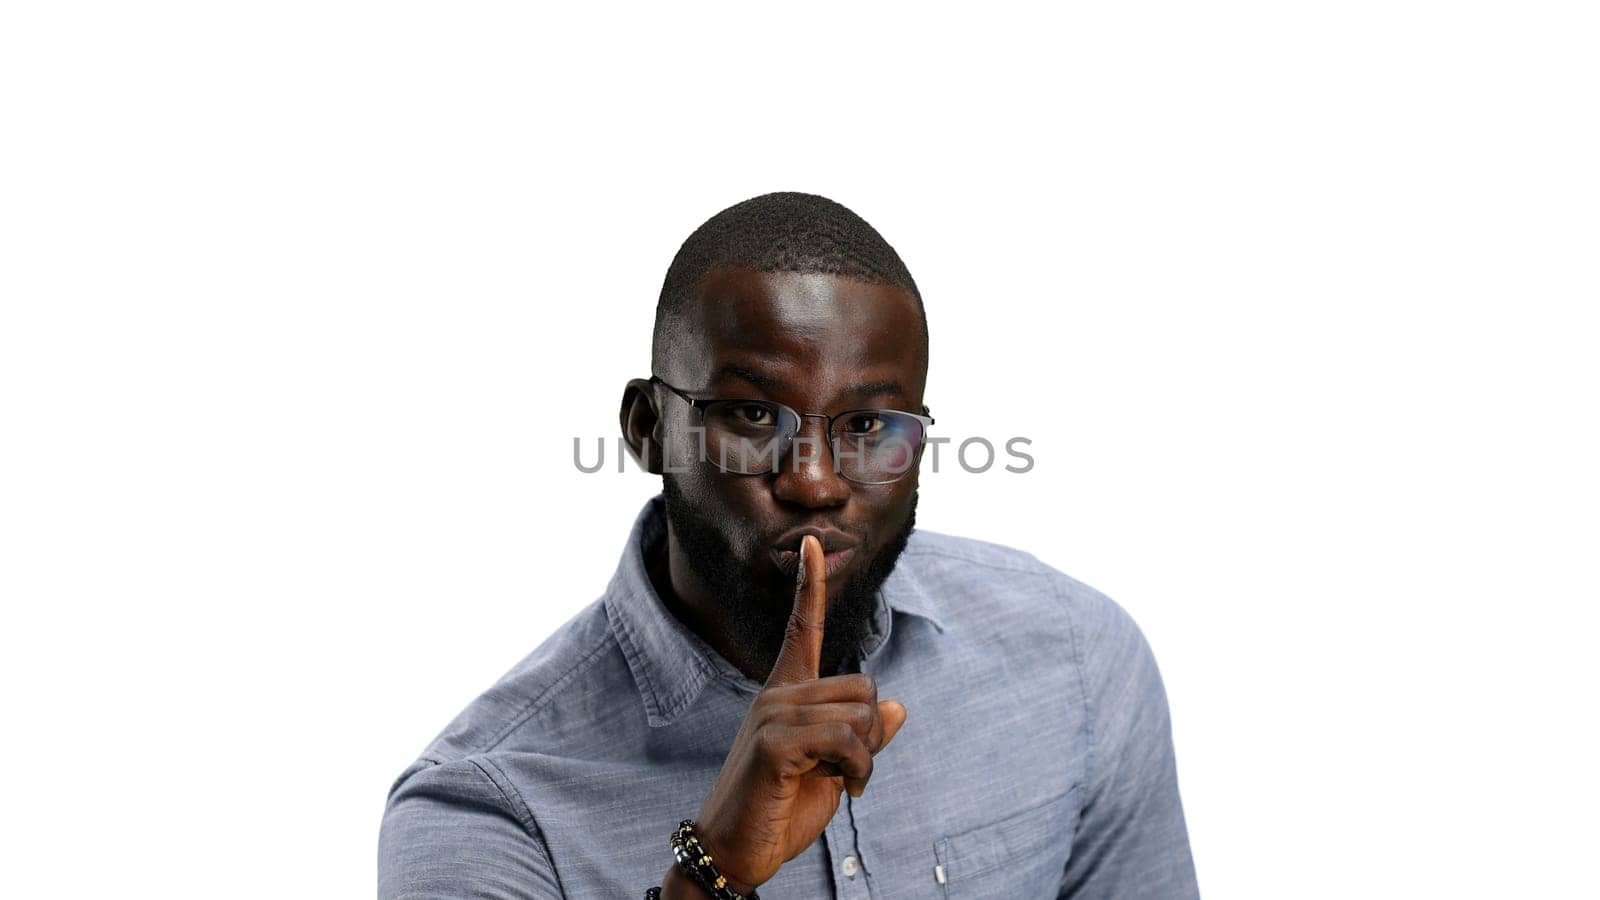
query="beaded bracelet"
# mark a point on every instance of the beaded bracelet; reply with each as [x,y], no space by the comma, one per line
[695,862]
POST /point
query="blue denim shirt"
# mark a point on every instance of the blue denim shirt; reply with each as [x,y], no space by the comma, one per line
[1036,759]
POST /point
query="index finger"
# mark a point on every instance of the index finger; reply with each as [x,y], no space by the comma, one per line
[801,656]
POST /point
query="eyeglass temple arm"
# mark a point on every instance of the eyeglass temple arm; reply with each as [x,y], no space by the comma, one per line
[697,404]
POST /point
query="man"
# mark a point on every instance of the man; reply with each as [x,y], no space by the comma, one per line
[738,669]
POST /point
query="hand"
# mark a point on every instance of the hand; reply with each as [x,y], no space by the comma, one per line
[803,741]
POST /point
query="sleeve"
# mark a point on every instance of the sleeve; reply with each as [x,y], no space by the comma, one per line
[1131,840]
[459,829]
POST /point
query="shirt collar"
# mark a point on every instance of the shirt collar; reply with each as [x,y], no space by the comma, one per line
[671,664]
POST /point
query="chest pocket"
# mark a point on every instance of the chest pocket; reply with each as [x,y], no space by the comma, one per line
[1020,855]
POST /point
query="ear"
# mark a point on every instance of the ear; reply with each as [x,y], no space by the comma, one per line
[641,424]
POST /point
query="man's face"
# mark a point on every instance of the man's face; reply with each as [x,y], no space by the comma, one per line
[818,344]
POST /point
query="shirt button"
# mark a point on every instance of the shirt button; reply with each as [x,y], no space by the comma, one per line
[850,865]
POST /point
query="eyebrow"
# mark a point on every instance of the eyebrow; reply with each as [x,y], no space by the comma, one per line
[874,388]
[770,384]
[759,379]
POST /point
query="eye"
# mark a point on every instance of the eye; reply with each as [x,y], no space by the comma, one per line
[754,414]
[864,423]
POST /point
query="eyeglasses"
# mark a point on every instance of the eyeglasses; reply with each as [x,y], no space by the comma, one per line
[750,437]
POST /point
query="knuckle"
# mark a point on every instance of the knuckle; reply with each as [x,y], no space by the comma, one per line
[864,765]
[864,685]
[799,628]
[765,707]
[767,744]
[861,717]
[778,698]
[841,733]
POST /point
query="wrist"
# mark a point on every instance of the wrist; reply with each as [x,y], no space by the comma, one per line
[678,886]
[738,886]
[699,864]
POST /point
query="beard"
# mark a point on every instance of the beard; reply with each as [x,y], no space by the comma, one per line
[753,614]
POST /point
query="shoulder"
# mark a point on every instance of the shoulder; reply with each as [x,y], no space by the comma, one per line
[1002,599]
[459,800]
[509,715]
[978,577]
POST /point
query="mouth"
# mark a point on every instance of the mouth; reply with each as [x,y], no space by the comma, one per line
[837,551]
[789,560]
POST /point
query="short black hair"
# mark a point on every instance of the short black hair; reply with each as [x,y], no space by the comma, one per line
[781,232]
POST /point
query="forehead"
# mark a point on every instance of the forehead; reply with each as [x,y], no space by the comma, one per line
[812,336]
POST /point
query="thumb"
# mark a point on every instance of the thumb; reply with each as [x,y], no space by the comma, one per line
[893,713]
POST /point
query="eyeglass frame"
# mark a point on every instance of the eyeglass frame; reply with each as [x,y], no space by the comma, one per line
[833,440]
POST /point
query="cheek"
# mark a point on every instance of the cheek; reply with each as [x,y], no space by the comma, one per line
[897,458]
[733,504]
[682,449]
[891,512]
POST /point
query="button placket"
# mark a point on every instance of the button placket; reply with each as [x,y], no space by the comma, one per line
[850,882]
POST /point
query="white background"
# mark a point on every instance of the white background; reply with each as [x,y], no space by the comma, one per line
[304,304]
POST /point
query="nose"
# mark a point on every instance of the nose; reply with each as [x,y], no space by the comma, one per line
[806,475]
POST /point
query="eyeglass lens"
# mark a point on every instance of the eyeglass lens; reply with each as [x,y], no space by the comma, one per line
[871,446]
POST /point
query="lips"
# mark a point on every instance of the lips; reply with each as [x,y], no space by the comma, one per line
[837,550]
